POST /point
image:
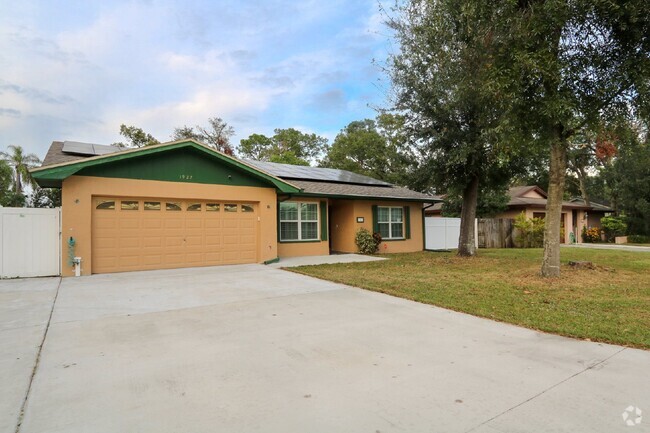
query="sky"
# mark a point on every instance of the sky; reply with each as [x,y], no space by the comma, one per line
[76,70]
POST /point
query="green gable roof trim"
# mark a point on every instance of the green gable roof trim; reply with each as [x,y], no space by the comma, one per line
[179,165]
[182,161]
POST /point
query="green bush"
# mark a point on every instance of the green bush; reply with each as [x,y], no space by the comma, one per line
[638,239]
[367,243]
[530,231]
[613,226]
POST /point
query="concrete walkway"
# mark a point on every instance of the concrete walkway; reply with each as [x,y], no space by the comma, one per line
[620,247]
[25,307]
[290,262]
[255,349]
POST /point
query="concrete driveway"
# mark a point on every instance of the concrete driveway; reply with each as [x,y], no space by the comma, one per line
[254,349]
[619,247]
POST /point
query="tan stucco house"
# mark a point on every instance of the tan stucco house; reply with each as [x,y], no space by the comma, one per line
[184,204]
[531,200]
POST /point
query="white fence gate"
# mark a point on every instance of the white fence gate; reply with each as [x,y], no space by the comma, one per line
[443,233]
[30,243]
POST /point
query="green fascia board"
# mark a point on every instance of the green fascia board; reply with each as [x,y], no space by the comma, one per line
[367,197]
[184,165]
[53,178]
[55,175]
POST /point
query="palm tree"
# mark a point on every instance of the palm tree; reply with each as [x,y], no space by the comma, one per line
[21,163]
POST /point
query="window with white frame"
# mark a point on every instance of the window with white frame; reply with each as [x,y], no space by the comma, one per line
[390,221]
[298,221]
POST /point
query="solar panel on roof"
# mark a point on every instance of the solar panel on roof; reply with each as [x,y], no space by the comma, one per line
[78,148]
[101,149]
[315,173]
[89,149]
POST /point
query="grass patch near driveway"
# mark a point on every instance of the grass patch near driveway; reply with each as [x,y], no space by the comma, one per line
[610,303]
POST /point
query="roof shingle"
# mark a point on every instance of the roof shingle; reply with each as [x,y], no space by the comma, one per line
[55,155]
[350,188]
[518,200]
[361,191]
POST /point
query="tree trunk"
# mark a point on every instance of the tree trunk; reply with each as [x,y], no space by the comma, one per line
[18,186]
[467,239]
[557,173]
[582,176]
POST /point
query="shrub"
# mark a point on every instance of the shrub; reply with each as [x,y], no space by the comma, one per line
[638,239]
[613,226]
[590,235]
[530,231]
[367,243]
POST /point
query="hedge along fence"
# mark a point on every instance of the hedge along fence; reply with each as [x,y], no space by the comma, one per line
[529,232]
[638,239]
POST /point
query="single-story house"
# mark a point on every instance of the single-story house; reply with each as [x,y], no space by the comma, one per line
[184,204]
[531,200]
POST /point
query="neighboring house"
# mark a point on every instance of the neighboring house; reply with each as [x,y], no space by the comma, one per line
[531,200]
[183,204]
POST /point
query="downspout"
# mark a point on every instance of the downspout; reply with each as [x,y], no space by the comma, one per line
[424,229]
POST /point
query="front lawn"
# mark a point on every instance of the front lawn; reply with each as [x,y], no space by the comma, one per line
[610,303]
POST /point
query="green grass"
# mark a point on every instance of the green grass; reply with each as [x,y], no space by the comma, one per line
[610,303]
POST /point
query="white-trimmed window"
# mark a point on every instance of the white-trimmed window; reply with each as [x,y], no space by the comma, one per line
[298,221]
[390,221]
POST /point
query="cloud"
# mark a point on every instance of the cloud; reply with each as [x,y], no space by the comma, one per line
[9,112]
[79,73]
[330,100]
[40,46]
[32,93]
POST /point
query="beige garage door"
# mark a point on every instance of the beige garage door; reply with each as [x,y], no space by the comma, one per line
[131,234]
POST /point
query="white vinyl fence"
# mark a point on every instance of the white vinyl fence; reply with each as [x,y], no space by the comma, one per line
[442,233]
[30,243]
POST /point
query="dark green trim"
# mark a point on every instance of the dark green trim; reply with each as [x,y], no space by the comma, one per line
[55,175]
[394,240]
[275,260]
[323,220]
[375,222]
[277,221]
[424,230]
[301,242]
[185,165]
[407,222]
[366,197]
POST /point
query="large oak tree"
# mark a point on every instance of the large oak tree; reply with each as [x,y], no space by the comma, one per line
[443,76]
[571,65]
[371,148]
